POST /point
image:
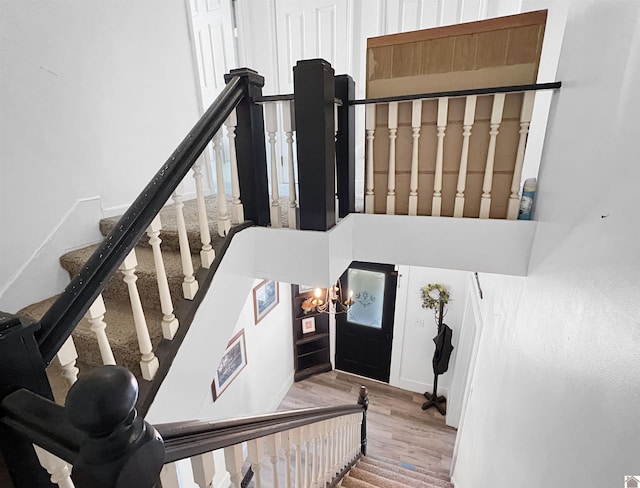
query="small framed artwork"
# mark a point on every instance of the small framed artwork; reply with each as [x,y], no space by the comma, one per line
[308,325]
[233,361]
[305,289]
[265,297]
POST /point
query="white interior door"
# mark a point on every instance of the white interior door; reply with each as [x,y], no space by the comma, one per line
[214,52]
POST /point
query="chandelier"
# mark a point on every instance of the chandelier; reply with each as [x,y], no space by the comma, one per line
[329,300]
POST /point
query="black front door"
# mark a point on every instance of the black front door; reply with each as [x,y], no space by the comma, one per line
[365,332]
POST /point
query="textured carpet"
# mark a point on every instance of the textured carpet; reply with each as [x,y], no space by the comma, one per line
[120,326]
[378,472]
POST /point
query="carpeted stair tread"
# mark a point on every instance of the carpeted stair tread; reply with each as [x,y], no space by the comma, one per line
[169,232]
[145,271]
[393,462]
[120,330]
[348,482]
[387,479]
[400,473]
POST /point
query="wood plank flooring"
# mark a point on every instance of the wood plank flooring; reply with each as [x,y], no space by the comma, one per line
[397,428]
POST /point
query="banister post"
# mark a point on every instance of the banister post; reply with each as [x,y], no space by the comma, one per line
[346,145]
[251,153]
[120,449]
[314,95]
[22,366]
[363,399]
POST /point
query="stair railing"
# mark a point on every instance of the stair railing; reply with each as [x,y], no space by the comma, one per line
[26,348]
[480,176]
[107,445]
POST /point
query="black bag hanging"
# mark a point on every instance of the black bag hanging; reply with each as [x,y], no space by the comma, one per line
[443,350]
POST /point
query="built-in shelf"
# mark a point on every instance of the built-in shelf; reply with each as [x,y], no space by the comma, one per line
[311,338]
[310,350]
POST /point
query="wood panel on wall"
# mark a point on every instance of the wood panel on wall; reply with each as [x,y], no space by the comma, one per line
[494,52]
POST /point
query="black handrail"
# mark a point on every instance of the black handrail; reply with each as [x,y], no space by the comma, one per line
[62,317]
[461,93]
[186,439]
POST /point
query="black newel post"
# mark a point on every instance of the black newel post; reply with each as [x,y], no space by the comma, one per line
[346,145]
[250,149]
[120,449]
[363,399]
[22,366]
[314,96]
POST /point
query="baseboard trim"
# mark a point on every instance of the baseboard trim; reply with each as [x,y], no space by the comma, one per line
[41,276]
[282,392]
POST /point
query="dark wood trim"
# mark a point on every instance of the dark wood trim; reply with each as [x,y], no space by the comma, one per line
[186,439]
[461,93]
[336,479]
[314,89]
[250,148]
[65,313]
[346,145]
[506,22]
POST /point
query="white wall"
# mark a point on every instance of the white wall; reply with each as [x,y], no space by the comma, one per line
[95,96]
[555,391]
[185,393]
[415,328]
[266,379]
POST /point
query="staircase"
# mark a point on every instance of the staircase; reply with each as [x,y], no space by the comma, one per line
[375,471]
[120,327]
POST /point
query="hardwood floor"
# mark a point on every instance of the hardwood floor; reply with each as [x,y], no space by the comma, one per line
[397,428]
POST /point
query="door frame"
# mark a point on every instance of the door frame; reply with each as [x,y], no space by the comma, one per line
[388,311]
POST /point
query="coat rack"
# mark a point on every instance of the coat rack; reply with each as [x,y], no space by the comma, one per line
[441,357]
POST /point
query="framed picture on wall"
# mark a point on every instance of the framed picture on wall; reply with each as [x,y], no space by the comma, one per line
[265,297]
[233,361]
[308,325]
[305,289]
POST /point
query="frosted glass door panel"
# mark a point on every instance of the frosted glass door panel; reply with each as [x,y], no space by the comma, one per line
[368,297]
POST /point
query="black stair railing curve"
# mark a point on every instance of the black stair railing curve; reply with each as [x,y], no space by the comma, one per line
[64,314]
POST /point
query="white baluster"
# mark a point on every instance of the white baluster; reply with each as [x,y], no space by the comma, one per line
[95,316]
[467,124]
[356,425]
[255,450]
[169,321]
[169,476]
[67,356]
[391,177]
[295,436]
[286,448]
[315,445]
[59,471]
[443,105]
[271,125]
[148,361]
[204,469]
[233,461]
[333,447]
[525,119]
[237,210]
[289,125]
[224,223]
[189,285]
[416,123]
[322,465]
[370,127]
[496,118]
[273,449]
[207,254]
[305,434]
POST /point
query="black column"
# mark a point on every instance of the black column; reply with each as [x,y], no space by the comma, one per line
[250,149]
[314,91]
[22,366]
[346,145]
